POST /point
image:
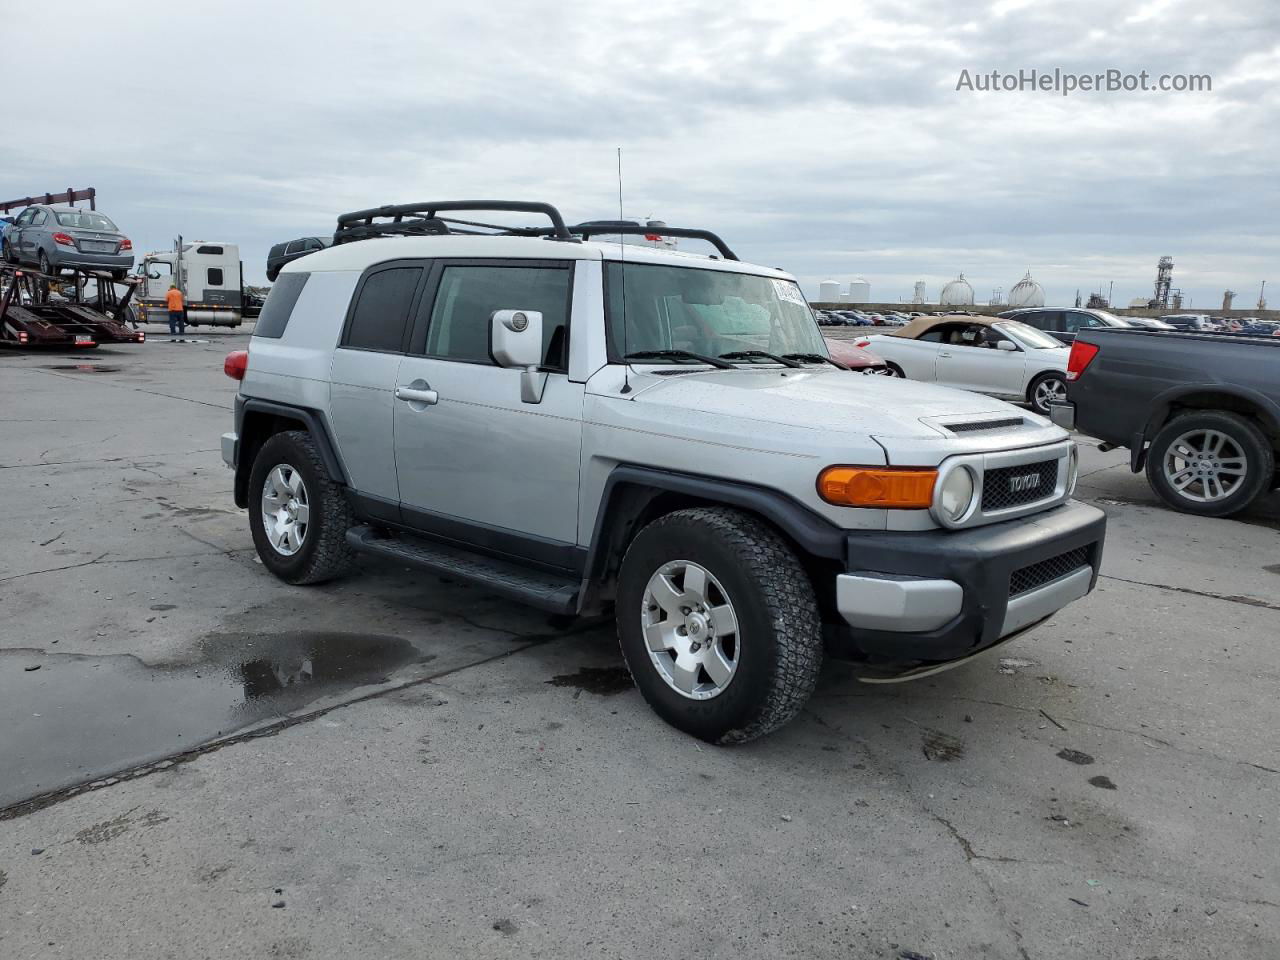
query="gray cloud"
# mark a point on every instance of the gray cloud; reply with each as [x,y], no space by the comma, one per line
[827,138]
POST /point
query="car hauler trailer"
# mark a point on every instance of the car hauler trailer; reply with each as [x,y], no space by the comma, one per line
[208,273]
[79,310]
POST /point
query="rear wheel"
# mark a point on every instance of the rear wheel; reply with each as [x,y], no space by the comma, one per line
[893,370]
[718,624]
[45,266]
[298,516]
[6,252]
[1046,390]
[1213,464]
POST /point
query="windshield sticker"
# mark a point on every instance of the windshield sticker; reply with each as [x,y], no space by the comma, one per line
[788,290]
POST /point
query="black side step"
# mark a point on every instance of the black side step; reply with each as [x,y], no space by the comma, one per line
[538,589]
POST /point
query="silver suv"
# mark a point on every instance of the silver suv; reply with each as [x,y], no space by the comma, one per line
[586,425]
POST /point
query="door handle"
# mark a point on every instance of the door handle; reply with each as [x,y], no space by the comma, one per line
[417,396]
[944,355]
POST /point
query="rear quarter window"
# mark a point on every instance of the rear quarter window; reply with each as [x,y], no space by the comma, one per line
[279,306]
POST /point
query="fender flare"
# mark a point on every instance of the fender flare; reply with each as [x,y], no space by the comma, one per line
[315,422]
[1164,401]
[630,489]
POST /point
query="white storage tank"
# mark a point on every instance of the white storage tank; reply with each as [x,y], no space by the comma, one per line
[859,291]
[829,291]
[957,293]
[1026,293]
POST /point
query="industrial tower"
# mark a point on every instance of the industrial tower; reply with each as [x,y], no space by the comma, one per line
[1164,280]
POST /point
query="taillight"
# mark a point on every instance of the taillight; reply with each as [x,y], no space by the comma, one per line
[126,244]
[1082,355]
[236,363]
[63,239]
[140,336]
[862,344]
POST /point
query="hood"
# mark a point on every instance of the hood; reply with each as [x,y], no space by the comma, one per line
[825,399]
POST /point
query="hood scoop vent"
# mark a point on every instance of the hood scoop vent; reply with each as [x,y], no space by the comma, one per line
[974,426]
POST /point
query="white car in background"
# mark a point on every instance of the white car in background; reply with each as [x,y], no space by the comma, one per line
[1002,358]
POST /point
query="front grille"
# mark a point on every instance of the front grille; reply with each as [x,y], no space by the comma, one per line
[984,425]
[1038,574]
[1004,487]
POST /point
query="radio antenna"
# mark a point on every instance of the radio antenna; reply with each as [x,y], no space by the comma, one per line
[622,274]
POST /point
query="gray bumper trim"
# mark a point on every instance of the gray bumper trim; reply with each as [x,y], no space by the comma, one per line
[1063,414]
[1027,608]
[880,601]
[229,441]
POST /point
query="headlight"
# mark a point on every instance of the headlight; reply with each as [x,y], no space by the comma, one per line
[1073,468]
[956,496]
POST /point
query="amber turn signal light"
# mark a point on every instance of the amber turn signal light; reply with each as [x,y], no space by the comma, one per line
[900,488]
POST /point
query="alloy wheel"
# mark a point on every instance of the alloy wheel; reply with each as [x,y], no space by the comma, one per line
[286,511]
[1049,391]
[1205,465]
[691,630]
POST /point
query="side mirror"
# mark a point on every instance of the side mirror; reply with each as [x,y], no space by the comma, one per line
[515,340]
[153,276]
[1005,345]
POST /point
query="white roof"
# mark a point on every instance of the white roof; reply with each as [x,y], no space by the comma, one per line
[361,254]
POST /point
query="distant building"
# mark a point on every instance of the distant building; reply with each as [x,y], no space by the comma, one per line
[918,296]
[957,293]
[859,290]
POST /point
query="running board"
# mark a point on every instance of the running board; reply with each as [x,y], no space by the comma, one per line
[546,591]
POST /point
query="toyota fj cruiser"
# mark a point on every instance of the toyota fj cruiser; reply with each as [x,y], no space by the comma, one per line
[584,425]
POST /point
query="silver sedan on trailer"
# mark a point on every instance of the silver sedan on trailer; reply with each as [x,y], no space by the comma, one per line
[54,238]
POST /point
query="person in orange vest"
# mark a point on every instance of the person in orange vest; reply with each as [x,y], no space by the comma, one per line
[177,316]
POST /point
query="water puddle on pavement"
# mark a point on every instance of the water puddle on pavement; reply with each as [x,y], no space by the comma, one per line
[68,718]
[85,368]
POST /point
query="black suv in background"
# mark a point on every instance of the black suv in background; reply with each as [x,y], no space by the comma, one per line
[1063,322]
[283,253]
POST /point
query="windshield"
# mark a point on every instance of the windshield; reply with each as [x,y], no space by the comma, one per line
[1028,336]
[84,220]
[708,312]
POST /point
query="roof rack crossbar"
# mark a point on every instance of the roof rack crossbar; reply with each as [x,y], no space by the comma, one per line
[622,228]
[360,224]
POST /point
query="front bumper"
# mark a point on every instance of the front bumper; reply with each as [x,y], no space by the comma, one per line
[936,596]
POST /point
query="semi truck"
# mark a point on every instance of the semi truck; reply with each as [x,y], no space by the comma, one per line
[209,274]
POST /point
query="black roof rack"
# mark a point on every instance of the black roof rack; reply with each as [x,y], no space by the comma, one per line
[422,219]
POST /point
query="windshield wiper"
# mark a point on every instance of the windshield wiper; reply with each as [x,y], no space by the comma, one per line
[678,355]
[748,354]
[815,358]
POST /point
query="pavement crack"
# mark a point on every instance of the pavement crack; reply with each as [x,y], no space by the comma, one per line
[1229,598]
[40,802]
[100,559]
[123,386]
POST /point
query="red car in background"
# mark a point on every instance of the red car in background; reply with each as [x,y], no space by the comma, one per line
[857,359]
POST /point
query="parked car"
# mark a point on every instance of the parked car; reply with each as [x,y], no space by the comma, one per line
[1003,358]
[1261,328]
[856,358]
[56,238]
[1197,322]
[1061,323]
[688,458]
[283,253]
[1200,412]
[1149,323]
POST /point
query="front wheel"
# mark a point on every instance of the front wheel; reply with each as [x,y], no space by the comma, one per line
[1213,464]
[298,516]
[1046,390]
[6,252]
[718,624]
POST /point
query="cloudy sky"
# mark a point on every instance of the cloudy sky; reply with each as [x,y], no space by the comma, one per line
[828,138]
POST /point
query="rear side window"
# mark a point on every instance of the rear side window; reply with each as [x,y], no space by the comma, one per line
[215,276]
[279,306]
[469,295]
[380,317]
[216,251]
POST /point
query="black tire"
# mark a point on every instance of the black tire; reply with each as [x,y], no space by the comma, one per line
[895,370]
[1035,395]
[42,261]
[1254,449]
[778,641]
[324,553]
[118,275]
[6,251]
